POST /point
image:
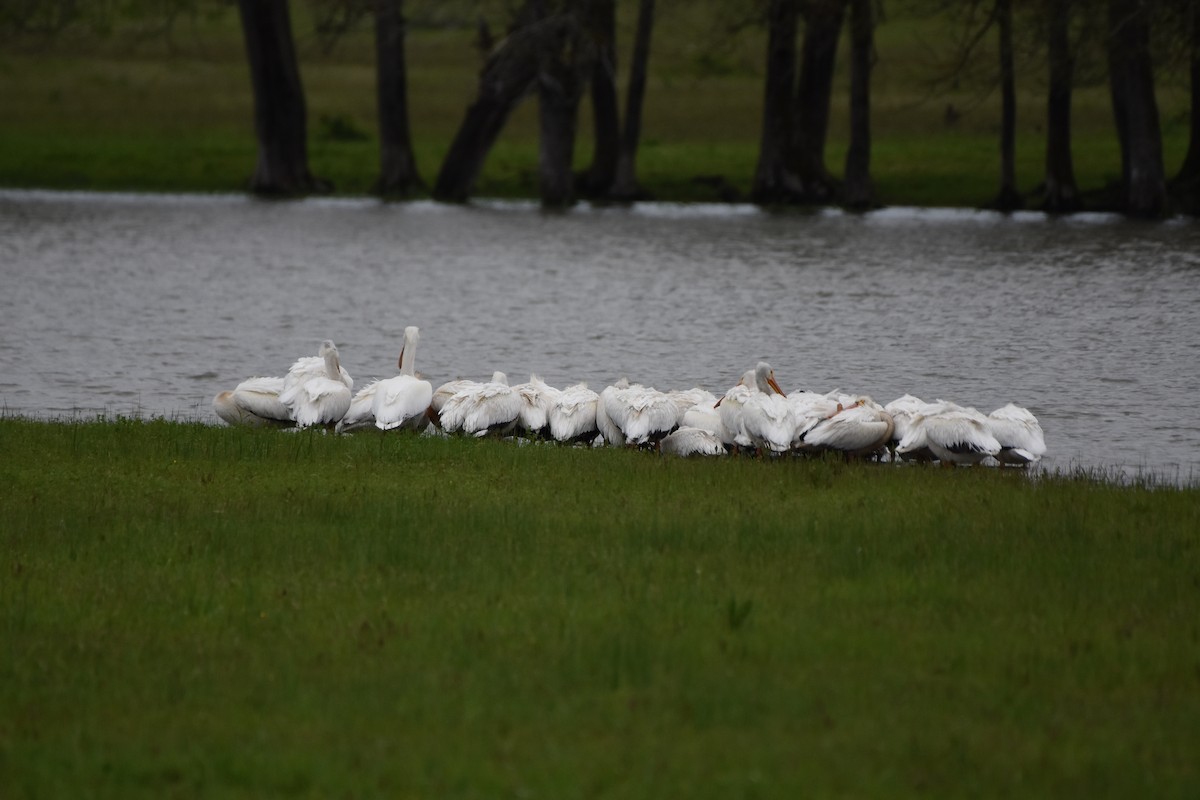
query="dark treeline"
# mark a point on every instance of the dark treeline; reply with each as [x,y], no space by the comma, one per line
[561,52]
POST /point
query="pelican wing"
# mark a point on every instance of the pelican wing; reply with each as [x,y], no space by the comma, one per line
[318,401]
[769,422]
[573,413]
[688,441]
[402,400]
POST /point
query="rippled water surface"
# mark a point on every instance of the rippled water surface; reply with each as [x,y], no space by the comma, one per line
[128,304]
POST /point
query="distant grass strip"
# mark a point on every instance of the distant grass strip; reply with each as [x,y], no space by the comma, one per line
[197,611]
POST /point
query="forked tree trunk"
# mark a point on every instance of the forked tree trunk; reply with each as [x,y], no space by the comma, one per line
[625,187]
[1008,198]
[858,191]
[397,165]
[823,21]
[1062,194]
[279,111]
[774,182]
[508,75]
[601,25]
[1135,110]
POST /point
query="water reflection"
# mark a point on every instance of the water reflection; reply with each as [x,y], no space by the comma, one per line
[137,304]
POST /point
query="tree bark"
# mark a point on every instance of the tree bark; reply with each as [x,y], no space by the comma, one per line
[563,72]
[625,186]
[810,124]
[1008,198]
[774,182]
[1062,194]
[397,165]
[1187,181]
[601,25]
[508,75]
[279,109]
[858,191]
[1135,110]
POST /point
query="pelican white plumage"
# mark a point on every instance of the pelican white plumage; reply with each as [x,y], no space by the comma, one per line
[573,415]
[361,413]
[316,366]
[687,399]
[953,433]
[402,401]
[688,441]
[639,414]
[1019,433]
[482,408]
[810,409]
[707,417]
[608,429]
[537,398]
[903,410]
[254,402]
[318,399]
[442,394]
[766,415]
[859,429]
[730,410]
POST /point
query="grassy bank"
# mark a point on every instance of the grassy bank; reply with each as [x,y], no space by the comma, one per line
[200,611]
[113,115]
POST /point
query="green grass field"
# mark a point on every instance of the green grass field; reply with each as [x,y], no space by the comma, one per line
[193,611]
[110,114]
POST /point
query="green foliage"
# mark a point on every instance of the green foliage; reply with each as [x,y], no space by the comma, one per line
[220,612]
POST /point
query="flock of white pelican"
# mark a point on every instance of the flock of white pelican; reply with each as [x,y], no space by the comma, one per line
[755,414]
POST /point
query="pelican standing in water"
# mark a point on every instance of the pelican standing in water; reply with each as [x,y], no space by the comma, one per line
[1019,434]
[314,398]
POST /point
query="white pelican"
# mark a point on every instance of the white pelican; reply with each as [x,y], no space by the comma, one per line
[491,407]
[858,429]
[687,399]
[706,416]
[402,401]
[809,409]
[254,402]
[1019,434]
[608,429]
[314,399]
[903,409]
[573,415]
[316,366]
[730,406]
[639,414]
[688,441]
[537,398]
[442,394]
[766,416]
[954,434]
[361,413]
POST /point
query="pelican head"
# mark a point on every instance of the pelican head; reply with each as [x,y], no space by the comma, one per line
[412,335]
[764,378]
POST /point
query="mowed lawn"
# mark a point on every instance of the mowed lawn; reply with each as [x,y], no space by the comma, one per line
[197,611]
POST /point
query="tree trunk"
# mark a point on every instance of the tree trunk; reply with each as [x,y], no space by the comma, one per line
[508,75]
[601,25]
[1008,199]
[1187,181]
[810,123]
[774,182]
[565,68]
[625,187]
[1062,195]
[1131,79]
[397,166]
[279,111]
[857,189]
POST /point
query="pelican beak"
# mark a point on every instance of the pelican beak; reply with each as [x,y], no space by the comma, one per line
[400,360]
[718,403]
[775,386]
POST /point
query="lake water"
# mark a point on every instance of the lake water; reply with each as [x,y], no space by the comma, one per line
[122,304]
